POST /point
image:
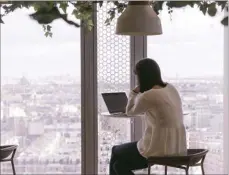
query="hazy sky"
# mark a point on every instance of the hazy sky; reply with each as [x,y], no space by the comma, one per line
[191,45]
[26,51]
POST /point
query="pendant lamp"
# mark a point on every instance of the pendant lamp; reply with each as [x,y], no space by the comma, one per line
[138,19]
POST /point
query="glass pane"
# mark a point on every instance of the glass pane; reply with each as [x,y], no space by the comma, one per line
[113,76]
[190,54]
[40,104]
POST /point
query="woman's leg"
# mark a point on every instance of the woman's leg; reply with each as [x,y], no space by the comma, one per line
[112,161]
[125,158]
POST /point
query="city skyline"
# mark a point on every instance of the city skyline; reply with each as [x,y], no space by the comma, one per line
[54,109]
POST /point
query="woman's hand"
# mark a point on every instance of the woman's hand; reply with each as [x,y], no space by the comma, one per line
[136,89]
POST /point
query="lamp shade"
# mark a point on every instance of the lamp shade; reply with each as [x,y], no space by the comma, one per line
[138,19]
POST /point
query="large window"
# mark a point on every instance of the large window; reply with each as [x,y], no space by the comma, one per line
[190,54]
[113,76]
[41,89]
[40,96]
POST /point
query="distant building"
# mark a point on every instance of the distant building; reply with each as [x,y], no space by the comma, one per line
[212,141]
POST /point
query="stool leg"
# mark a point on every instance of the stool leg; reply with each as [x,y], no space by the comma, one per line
[202,169]
[165,170]
[13,168]
[149,168]
[186,171]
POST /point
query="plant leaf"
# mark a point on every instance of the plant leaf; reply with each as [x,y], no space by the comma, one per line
[48,34]
[44,27]
[225,21]
[203,7]
[222,4]
[212,10]
[44,16]
[1,21]
[48,28]
[100,3]
[107,21]
[90,22]
[64,6]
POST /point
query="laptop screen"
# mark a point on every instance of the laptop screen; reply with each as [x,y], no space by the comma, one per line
[115,102]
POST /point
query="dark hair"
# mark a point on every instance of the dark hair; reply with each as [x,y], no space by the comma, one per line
[148,74]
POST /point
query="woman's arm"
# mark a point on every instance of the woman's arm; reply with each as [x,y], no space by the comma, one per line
[137,104]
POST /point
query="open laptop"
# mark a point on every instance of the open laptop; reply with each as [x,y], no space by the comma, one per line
[115,102]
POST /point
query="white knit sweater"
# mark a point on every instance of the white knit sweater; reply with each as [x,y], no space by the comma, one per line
[163,116]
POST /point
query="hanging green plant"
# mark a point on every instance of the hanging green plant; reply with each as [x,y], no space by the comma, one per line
[48,11]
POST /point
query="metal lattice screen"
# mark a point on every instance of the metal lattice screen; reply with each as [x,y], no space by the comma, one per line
[113,76]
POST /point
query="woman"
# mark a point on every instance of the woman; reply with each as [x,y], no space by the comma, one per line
[163,116]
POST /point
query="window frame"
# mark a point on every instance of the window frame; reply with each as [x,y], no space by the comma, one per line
[226,99]
[138,49]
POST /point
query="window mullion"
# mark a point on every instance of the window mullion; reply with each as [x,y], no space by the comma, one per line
[138,49]
[89,98]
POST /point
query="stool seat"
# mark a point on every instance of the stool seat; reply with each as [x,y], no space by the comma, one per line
[194,157]
[5,152]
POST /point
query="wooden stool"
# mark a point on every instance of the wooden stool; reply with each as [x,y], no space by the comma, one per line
[195,157]
[5,152]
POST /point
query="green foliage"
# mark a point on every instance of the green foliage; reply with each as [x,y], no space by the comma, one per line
[47,30]
[48,11]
